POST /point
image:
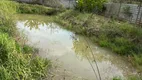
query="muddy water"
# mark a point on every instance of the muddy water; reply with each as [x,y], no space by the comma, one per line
[69,53]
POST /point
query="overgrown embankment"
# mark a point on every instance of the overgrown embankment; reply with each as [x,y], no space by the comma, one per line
[122,38]
[16,59]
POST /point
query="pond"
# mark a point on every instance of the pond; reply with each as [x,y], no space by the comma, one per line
[74,57]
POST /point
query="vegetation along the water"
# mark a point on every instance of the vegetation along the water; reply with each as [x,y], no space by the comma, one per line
[16,58]
[18,61]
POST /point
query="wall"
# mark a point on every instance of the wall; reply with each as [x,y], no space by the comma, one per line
[27,1]
[68,3]
[64,3]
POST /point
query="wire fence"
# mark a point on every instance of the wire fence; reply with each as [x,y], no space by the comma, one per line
[130,10]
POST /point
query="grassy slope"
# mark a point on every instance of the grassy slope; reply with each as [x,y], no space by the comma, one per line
[120,37]
[16,61]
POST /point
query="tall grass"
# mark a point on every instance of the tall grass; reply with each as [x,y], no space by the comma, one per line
[37,9]
[7,9]
[14,63]
[130,78]
[31,9]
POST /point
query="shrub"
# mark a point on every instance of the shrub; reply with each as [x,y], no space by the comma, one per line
[89,5]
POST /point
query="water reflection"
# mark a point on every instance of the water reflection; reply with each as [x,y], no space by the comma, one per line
[33,24]
[34,21]
[80,47]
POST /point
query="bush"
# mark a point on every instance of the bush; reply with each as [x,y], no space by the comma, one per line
[90,5]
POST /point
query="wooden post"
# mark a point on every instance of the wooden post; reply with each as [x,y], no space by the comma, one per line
[119,8]
[139,8]
[69,4]
[140,22]
[110,9]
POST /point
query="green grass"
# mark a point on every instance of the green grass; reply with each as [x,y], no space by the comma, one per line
[130,78]
[16,65]
[7,9]
[37,9]
[121,37]
[31,9]
[17,61]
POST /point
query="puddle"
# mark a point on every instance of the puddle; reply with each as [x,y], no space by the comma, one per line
[70,53]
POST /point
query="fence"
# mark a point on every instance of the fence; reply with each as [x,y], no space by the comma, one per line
[68,3]
[130,12]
